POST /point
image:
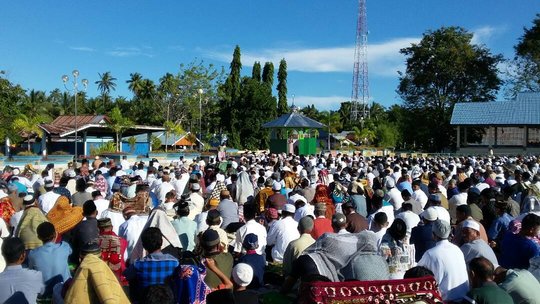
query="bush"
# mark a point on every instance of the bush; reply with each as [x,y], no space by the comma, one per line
[59,153]
[108,147]
[26,153]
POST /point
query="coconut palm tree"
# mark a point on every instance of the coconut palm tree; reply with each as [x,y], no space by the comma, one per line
[28,126]
[135,83]
[106,84]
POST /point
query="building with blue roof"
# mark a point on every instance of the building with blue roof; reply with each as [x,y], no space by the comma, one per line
[511,126]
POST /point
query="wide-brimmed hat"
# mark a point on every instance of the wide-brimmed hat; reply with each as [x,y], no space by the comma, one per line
[64,216]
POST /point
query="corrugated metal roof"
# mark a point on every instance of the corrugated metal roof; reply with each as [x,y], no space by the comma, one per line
[172,140]
[524,110]
[294,120]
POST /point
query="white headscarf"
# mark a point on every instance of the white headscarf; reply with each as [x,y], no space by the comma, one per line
[244,188]
[158,218]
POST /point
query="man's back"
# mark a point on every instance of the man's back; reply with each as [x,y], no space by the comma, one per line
[18,284]
[422,238]
[356,223]
[228,211]
[447,263]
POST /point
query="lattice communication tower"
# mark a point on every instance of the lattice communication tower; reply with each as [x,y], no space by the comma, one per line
[360,84]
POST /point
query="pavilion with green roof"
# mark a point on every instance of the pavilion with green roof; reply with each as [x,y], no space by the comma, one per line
[294,133]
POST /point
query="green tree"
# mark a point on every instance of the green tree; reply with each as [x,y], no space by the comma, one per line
[268,74]
[10,97]
[28,126]
[256,72]
[525,68]
[283,107]
[135,83]
[442,69]
[229,94]
[118,123]
[106,84]
[171,128]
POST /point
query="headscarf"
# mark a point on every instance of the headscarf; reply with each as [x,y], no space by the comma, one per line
[321,196]
[216,192]
[101,184]
[63,216]
[331,252]
[158,218]
[27,229]
[141,203]
[244,188]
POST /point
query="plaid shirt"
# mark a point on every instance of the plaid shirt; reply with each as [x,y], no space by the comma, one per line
[152,269]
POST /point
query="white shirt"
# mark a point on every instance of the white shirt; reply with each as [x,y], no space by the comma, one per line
[389,210]
[4,233]
[410,218]
[180,184]
[130,230]
[196,205]
[47,201]
[117,218]
[420,196]
[251,226]
[442,213]
[447,263]
[280,235]
[200,219]
[101,205]
[394,198]
[308,209]
[15,219]
[456,200]
[162,190]
[140,173]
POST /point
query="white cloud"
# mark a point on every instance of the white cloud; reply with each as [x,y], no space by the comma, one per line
[82,48]
[129,52]
[485,34]
[384,58]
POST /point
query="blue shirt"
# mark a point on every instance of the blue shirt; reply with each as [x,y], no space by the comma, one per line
[499,227]
[151,270]
[186,230]
[20,285]
[422,238]
[517,250]
[52,260]
[258,263]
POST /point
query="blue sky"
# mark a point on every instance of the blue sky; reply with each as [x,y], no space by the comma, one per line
[42,40]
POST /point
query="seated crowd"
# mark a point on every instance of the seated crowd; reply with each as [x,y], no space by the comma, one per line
[260,227]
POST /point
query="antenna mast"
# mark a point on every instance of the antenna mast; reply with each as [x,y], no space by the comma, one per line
[360,83]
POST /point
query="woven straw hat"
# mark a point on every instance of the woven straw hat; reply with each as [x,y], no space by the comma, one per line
[63,216]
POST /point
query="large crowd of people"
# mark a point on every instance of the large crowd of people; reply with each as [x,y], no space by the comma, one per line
[259,225]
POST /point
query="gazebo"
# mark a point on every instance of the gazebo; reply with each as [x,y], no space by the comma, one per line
[294,133]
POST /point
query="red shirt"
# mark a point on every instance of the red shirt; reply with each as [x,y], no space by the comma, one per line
[321,225]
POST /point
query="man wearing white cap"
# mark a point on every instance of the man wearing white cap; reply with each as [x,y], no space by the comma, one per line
[48,199]
[393,196]
[474,246]
[242,275]
[447,263]
[197,201]
[283,232]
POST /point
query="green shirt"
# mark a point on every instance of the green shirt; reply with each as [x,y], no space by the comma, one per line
[489,293]
[224,262]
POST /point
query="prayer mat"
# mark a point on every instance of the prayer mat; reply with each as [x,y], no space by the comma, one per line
[417,290]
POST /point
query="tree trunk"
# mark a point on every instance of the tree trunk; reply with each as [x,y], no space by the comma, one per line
[166,140]
[28,140]
[117,142]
